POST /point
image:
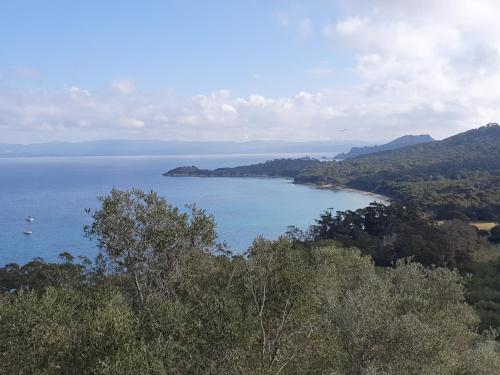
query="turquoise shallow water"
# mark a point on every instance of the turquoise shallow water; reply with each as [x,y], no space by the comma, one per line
[56,191]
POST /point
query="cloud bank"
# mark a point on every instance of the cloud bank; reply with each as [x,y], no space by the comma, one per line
[420,66]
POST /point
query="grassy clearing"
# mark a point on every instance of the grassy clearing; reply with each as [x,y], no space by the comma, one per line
[480,225]
[483,225]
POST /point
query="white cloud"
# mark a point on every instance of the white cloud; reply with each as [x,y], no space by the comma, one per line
[73,113]
[77,114]
[122,86]
[348,26]
[131,123]
[421,67]
[424,60]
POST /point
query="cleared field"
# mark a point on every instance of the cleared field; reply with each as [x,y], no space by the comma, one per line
[483,225]
[480,225]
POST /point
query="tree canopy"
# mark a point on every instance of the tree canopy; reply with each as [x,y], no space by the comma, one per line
[282,308]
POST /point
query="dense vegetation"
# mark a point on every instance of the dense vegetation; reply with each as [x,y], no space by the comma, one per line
[391,233]
[163,297]
[270,168]
[460,173]
[404,141]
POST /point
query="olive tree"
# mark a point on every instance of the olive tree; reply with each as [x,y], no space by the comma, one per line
[403,320]
[144,236]
[495,234]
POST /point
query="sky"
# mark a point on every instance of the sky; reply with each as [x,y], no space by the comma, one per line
[367,70]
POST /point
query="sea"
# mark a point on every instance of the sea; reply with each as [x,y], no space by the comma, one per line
[55,191]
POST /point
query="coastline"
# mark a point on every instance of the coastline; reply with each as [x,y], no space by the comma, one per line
[380,197]
[383,198]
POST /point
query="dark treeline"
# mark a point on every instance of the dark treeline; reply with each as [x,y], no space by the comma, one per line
[271,168]
[164,297]
[391,232]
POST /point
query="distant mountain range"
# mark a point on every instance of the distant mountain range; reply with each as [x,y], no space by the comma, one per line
[152,147]
[406,140]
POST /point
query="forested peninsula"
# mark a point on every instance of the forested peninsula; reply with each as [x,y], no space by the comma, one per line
[460,173]
[273,168]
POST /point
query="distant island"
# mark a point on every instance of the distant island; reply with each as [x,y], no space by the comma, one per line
[404,141]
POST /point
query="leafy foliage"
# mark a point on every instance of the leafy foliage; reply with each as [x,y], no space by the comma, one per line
[495,234]
[145,237]
[283,308]
[392,232]
[483,291]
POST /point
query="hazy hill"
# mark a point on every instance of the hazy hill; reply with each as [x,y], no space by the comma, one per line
[151,147]
[406,140]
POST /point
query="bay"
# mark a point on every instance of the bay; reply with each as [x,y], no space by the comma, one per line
[56,191]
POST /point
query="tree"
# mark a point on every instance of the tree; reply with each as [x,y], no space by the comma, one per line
[402,320]
[387,233]
[495,234]
[67,331]
[145,237]
[282,310]
[462,238]
[277,281]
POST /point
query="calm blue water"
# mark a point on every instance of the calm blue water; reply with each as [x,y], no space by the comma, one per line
[55,191]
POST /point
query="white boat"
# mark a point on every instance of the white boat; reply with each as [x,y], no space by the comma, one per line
[28,232]
[30,219]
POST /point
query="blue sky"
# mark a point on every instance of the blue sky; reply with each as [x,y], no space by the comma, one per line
[188,46]
[246,70]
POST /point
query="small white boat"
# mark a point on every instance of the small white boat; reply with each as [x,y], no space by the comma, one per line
[28,232]
[30,219]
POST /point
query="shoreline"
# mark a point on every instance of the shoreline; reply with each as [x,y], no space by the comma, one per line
[383,198]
